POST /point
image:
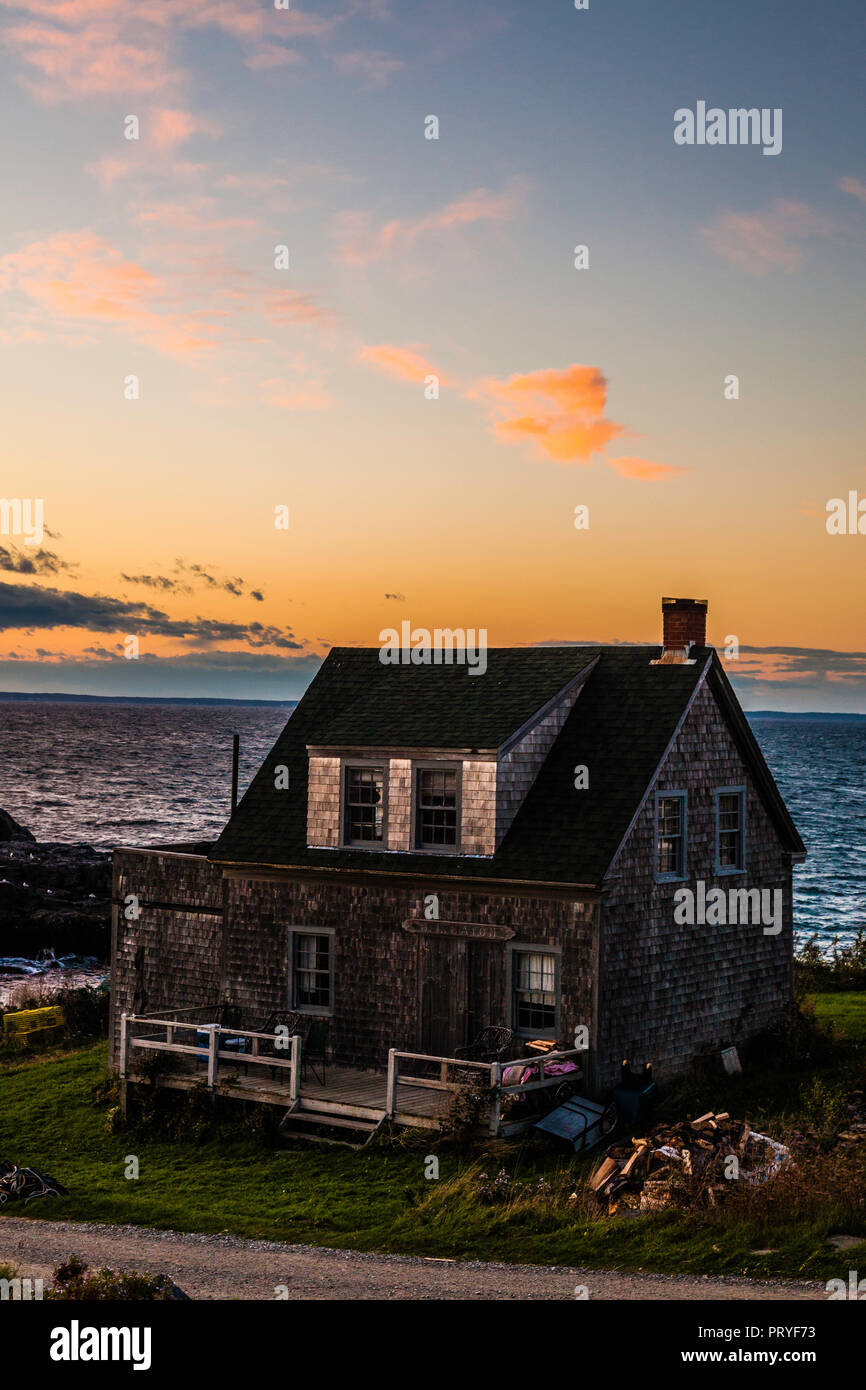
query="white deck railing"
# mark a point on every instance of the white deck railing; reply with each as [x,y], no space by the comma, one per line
[491,1075]
[131,1036]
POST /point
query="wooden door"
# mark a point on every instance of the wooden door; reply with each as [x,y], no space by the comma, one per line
[443,977]
[488,1006]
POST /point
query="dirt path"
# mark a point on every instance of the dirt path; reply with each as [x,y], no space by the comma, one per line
[227,1267]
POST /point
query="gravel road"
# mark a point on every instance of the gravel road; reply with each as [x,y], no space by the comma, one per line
[224,1266]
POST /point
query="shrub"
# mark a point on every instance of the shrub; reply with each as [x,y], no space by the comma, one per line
[75,1281]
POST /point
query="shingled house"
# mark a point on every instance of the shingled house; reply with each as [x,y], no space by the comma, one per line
[426,852]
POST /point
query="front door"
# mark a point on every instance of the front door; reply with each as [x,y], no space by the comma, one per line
[443,969]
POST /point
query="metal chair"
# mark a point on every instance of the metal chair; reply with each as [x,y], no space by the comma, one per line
[493,1044]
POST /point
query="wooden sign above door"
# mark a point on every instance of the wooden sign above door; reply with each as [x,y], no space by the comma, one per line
[471,931]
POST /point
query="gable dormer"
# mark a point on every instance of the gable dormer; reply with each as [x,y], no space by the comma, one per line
[431,798]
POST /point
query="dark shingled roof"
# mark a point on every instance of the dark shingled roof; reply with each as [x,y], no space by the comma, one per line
[620,727]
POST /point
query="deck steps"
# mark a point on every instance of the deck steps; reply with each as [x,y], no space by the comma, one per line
[307,1121]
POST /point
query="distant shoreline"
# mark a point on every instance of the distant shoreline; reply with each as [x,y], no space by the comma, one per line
[15,697]
[18,697]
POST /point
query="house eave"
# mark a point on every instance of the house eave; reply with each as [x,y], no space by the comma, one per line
[234,869]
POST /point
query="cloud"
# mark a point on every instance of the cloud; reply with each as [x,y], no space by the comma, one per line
[558,410]
[402,363]
[856,187]
[644,469]
[33,607]
[235,586]
[560,413]
[359,242]
[372,67]
[769,240]
[77,278]
[75,50]
[165,128]
[42,562]
[157,581]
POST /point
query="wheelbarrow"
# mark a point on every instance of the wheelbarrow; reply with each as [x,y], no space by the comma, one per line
[580,1122]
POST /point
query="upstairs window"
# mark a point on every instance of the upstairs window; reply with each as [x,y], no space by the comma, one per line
[731,830]
[670,835]
[533,975]
[365,805]
[436,808]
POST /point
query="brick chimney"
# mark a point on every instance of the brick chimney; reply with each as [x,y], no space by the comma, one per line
[684,624]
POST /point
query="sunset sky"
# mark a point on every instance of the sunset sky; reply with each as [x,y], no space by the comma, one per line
[304,387]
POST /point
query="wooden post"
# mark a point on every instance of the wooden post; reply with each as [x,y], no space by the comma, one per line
[391,1087]
[236,747]
[495,1082]
[296,1066]
[213,1044]
[124,1044]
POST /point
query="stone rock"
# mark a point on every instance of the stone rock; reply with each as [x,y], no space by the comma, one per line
[11,830]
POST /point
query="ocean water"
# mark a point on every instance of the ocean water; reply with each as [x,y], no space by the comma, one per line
[109,774]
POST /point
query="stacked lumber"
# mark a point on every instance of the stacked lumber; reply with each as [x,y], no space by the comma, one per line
[684,1162]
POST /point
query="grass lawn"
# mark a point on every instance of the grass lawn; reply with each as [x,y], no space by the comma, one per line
[52,1117]
[846,1011]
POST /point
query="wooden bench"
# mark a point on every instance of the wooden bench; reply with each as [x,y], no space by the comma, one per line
[28,1024]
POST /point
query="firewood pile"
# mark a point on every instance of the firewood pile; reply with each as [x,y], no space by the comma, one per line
[678,1164]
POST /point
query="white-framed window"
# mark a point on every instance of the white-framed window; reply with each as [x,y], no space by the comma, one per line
[730,830]
[671,838]
[311,970]
[437,807]
[364,797]
[534,990]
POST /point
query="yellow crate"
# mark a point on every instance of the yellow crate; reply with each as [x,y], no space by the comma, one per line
[28,1023]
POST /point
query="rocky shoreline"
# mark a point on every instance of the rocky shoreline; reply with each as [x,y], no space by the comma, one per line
[54,897]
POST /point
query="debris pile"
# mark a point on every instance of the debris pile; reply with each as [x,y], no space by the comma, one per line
[687,1161]
[23,1184]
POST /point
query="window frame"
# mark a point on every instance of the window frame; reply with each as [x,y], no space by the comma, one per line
[725,870]
[683,798]
[530,948]
[346,765]
[437,765]
[315,1010]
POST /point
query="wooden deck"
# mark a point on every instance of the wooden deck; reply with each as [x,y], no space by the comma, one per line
[345,1092]
[417,1090]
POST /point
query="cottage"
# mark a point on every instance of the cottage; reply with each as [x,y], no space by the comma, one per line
[452,853]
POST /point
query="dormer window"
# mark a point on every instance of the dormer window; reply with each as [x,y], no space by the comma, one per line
[365,805]
[436,808]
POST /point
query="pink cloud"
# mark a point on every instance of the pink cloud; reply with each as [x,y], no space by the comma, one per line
[75,49]
[769,240]
[166,128]
[76,280]
[93,61]
[80,277]
[644,469]
[359,242]
[560,413]
[401,363]
[856,187]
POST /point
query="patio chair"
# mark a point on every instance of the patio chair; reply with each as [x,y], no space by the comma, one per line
[314,1041]
[493,1044]
[227,1016]
[283,1019]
